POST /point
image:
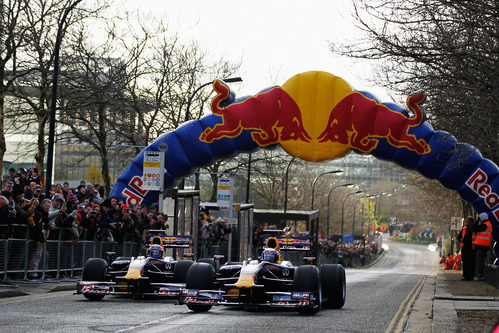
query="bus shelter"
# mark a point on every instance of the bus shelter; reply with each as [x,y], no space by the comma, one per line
[182,206]
[240,239]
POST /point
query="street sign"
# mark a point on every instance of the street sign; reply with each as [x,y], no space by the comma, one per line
[225,192]
[153,170]
[456,223]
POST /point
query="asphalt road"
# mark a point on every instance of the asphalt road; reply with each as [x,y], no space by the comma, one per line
[378,300]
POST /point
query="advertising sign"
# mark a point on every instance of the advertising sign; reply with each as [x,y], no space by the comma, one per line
[347,238]
[225,192]
[152,173]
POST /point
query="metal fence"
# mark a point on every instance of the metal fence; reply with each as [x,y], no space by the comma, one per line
[22,258]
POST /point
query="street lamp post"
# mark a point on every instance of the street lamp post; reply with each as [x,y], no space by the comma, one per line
[329,203]
[353,218]
[286,185]
[55,75]
[363,205]
[188,113]
[315,181]
[191,98]
[379,200]
[343,208]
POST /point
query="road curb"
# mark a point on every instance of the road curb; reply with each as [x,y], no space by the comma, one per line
[65,287]
[12,293]
[468,298]
[24,289]
[381,255]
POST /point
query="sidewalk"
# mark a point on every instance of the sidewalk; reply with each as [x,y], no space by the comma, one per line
[448,304]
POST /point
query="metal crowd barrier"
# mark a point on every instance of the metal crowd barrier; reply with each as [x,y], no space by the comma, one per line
[23,259]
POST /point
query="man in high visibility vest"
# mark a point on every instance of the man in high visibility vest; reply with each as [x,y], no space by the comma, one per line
[467,250]
[482,241]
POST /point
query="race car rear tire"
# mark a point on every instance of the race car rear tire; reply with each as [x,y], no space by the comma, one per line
[200,276]
[307,279]
[333,286]
[211,261]
[94,270]
[180,271]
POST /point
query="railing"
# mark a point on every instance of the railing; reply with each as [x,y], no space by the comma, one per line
[22,258]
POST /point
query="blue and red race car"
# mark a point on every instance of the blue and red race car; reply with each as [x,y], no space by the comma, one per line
[267,282]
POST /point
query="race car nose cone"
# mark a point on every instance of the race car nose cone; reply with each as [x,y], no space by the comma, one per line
[245,281]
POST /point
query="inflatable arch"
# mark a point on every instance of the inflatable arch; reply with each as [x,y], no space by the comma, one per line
[316,116]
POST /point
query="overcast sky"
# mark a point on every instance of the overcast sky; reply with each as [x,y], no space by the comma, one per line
[273,39]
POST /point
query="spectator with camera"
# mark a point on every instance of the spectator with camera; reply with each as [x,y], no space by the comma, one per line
[21,177]
[131,230]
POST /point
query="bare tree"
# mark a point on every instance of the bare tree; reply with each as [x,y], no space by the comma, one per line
[162,74]
[33,76]
[448,48]
[13,30]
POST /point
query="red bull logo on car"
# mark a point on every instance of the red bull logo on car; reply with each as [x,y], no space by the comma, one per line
[316,116]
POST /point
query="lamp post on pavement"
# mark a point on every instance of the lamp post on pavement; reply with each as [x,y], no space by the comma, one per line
[353,218]
[343,209]
[315,181]
[55,75]
[286,186]
[329,202]
[188,112]
[363,205]
[387,194]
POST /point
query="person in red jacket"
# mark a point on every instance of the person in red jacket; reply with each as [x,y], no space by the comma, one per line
[483,240]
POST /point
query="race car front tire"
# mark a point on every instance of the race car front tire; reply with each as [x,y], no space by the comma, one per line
[333,286]
[180,271]
[200,276]
[94,270]
[307,279]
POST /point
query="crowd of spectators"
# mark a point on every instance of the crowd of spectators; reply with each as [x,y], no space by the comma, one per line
[84,213]
[71,214]
[348,254]
[214,233]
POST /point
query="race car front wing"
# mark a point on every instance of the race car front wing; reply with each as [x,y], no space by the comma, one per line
[275,299]
[113,288]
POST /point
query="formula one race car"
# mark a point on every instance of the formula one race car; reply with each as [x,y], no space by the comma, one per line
[267,282]
[150,275]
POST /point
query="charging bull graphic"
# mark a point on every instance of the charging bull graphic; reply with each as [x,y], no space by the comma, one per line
[316,116]
[272,115]
[360,122]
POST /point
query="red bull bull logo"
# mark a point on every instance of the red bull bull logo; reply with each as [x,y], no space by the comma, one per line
[273,116]
[361,122]
[319,128]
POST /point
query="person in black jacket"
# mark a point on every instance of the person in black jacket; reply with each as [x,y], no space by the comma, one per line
[467,249]
[38,232]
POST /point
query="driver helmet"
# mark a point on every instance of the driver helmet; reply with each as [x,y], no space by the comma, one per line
[270,255]
[156,251]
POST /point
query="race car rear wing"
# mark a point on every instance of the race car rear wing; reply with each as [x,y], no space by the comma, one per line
[170,241]
[291,243]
